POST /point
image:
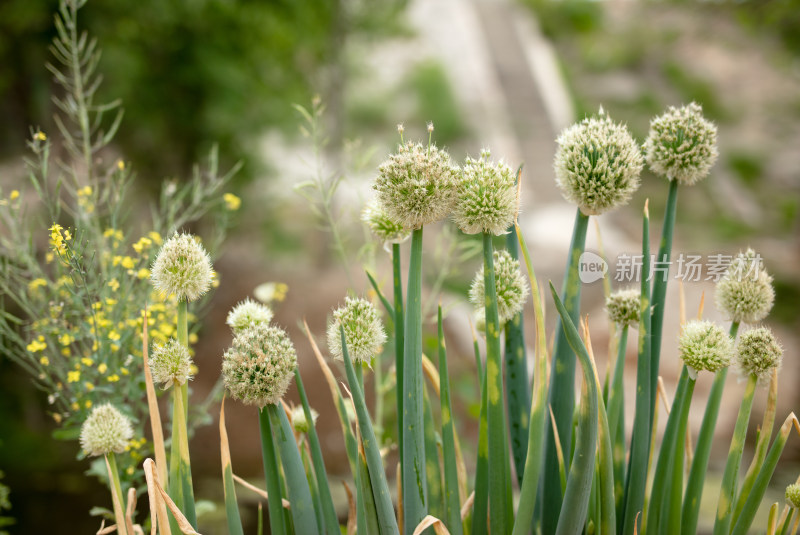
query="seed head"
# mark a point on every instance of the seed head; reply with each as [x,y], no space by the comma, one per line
[363,330]
[106,430]
[384,227]
[745,293]
[416,185]
[247,313]
[793,495]
[183,268]
[624,306]
[258,367]
[171,362]
[299,422]
[512,290]
[705,346]
[682,144]
[597,164]
[758,352]
[486,198]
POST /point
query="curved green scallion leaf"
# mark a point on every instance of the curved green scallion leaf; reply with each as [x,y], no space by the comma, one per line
[562,381]
[572,517]
[302,509]
[277,523]
[377,477]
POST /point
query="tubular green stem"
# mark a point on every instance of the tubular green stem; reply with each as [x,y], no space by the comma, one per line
[116,489]
[277,525]
[661,278]
[702,452]
[183,339]
[658,494]
[452,501]
[640,441]
[562,382]
[398,342]
[415,499]
[518,396]
[180,468]
[727,493]
[674,500]
[495,412]
[480,516]
[616,395]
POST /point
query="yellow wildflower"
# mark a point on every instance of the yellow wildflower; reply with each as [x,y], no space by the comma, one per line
[143,273]
[232,202]
[44,361]
[124,370]
[37,345]
[142,244]
[102,367]
[89,386]
[113,335]
[73,377]
[66,352]
[36,283]
[40,136]
[127,262]
[66,339]
[57,417]
[120,165]
[113,378]
[155,236]
[86,361]
[113,284]
[14,195]
[85,191]
[111,302]
[75,406]
[88,404]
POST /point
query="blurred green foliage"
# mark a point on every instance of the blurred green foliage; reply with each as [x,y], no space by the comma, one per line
[191,73]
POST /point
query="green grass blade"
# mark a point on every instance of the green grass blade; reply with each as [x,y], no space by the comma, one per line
[229,491]
[495,410]
[518,397]
[702,451]
[305,455]
[640,441]
[535,449]
[750,508]
[302,509]
[727,493]
[415,500]
[762,444]
[331,521]
[452,500]
[562,379]
[572,515]
[377,477]
[661,279]
[277,525]
[480,507]
[397,279]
